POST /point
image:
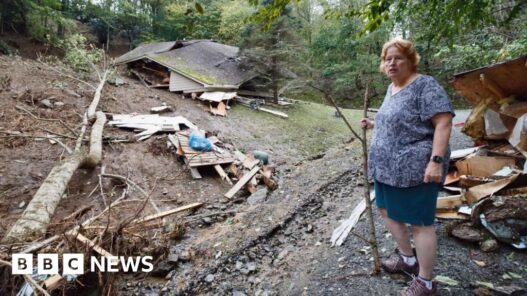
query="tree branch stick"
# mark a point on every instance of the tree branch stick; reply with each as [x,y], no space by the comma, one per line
[369,211]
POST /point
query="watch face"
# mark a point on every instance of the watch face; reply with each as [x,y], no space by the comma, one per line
[437,159]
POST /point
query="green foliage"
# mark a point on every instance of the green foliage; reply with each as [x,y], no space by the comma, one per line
[5,48]
[80,56]
[233,21]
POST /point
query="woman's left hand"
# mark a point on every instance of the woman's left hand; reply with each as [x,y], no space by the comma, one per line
[433,172]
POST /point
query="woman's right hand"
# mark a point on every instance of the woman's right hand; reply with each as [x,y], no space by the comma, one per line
[366,123]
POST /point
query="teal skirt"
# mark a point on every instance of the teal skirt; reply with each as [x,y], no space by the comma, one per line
[413,205]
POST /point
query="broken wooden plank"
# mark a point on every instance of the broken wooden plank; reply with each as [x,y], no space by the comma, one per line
[452,215]
[483,166]
[161,109]
[243,180]
[277,113]
[81,238]
[250,162]
[222,174]
[476,193]
[221,110]
[449,202]
[53,282]
[166,213]
[340,233]
[193,171]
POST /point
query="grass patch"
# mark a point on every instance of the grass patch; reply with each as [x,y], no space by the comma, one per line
[310,129]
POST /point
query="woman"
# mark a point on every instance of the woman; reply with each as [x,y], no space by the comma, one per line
[408,159]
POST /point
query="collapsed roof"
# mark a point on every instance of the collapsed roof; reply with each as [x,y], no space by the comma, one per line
[207,63]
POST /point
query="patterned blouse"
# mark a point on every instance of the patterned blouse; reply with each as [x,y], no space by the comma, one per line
[403,134]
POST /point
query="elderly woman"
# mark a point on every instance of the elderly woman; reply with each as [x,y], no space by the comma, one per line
[408,159]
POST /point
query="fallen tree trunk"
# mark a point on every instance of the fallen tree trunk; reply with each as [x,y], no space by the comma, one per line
[94,157]
[97,97]
[36,216]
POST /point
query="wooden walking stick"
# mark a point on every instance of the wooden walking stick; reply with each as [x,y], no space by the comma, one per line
[372,240]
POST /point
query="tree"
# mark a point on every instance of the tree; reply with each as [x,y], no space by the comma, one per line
[271,52]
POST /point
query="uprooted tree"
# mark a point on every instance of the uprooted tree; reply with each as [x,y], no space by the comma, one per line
[36,217]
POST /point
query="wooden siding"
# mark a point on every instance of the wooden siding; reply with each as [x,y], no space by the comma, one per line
[180,83]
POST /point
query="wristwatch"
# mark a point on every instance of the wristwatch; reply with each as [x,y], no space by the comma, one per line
[437,159]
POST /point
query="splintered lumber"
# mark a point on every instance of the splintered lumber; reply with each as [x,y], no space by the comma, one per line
[452,215]
[94,157]
[150,123]
[449,202]
[341,233]
[243,180]
[222,173]
[193,171]
[483,166]
[161,109]
[97,96]
[220,110]
[174,142]
[166,213]
[53,282]
[476,193]
[277,113]
[37,215]
[88,242]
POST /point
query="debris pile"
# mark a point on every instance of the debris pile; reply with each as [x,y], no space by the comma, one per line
[245,170]
[491,179]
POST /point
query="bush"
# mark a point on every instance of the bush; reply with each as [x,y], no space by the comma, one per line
[5,48]
[78,54]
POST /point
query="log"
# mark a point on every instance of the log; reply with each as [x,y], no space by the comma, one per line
[97,96]
[94,157]
[36,216]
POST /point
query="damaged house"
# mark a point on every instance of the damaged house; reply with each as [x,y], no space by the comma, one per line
[203,69]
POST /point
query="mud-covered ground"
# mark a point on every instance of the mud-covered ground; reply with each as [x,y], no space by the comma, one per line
[274,244]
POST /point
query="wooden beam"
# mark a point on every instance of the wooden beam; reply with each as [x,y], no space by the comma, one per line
[492,87]
[222,174]
[277,113]
[243,180]
[92,245]
[166,213]
[449,202]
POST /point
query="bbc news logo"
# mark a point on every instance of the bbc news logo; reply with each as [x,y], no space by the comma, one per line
[73,263]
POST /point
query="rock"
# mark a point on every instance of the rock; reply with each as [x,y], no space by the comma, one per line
[245,271]
[209,278]
[162,269]
[71,93]
[173,258]
[59,104]
[239,265]
[251,266]
[489,245]
[258,197]
[207,220]
[165,191]
[45,103]
[22,204]
[309,228]
[282,254]
[238,293]
[185,256]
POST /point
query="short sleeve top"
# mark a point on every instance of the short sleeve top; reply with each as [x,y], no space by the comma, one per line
[403,134]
